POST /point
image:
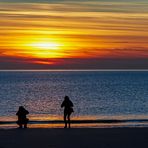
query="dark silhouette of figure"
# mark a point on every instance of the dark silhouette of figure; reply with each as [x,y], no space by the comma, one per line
[68,109]
[22,119]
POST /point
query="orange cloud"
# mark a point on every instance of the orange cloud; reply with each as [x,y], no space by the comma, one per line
[74,30]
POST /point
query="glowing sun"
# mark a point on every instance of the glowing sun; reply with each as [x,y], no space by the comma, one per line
[45,49]
[46,45]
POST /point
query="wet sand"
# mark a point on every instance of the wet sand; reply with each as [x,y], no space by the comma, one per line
[74,138]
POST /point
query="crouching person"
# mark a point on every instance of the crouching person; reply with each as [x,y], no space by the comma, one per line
[22,119]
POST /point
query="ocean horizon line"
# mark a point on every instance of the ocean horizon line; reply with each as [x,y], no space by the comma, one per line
[67,70]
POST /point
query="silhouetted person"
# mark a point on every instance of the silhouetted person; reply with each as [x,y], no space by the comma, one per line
[67,104]
[22,119]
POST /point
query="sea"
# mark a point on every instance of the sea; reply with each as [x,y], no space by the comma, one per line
[101,98]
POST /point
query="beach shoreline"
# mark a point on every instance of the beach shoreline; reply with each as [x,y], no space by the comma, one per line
[74,138]
[80,123]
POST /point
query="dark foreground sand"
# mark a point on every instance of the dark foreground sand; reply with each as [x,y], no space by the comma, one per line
[74,138]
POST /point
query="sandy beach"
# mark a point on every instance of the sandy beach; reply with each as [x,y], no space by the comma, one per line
[74,138]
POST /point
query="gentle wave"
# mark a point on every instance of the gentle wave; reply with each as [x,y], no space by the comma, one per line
[80,121]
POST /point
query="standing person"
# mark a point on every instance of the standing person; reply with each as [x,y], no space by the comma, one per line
[68,109]
[22,119]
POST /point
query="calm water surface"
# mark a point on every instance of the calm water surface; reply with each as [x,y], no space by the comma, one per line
[96,94]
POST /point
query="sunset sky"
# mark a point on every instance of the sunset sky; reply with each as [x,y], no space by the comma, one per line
[73,34]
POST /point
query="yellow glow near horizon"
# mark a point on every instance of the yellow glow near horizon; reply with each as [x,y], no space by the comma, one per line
[46,45]
[45,49]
